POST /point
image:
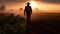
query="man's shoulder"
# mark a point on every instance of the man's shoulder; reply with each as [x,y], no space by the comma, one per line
[27,6]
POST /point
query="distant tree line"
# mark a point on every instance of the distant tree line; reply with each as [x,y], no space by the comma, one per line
[2,7]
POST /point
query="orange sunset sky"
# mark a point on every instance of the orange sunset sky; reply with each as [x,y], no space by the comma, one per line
[39,5]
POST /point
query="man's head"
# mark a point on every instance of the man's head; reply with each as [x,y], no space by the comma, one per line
[28,3]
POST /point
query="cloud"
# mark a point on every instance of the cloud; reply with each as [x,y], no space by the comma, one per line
[15,0]
[47,1]
[50,1]
[12,0]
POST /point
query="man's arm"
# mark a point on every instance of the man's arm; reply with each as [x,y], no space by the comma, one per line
[24,12]
[31,9]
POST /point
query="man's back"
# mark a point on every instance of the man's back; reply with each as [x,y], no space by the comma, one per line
[28,9]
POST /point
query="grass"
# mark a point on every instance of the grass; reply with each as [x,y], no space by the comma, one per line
[47,23]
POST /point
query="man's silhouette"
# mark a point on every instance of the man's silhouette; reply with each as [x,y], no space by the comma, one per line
[28,11]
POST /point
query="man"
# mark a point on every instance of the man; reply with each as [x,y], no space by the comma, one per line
[28,11]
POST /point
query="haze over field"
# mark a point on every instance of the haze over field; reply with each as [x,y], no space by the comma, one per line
[37,5]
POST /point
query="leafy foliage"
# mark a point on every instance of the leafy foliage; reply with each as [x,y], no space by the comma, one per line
[12,24]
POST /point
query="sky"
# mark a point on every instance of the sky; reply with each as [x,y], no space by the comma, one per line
[36,4]
[49,1]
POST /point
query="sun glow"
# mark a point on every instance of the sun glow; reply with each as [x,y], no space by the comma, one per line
[33,4]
